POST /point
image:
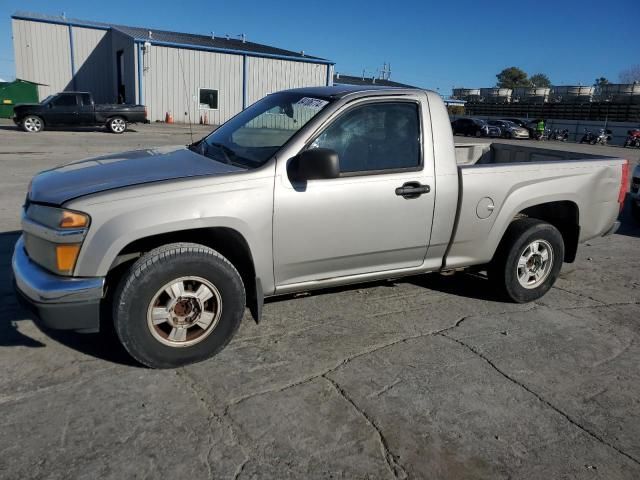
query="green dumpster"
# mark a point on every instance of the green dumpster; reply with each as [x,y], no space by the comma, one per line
[12,93]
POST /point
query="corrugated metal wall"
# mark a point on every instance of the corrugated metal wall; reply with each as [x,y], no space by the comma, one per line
[94,64]
[42,55]
[266,75]
[163,84]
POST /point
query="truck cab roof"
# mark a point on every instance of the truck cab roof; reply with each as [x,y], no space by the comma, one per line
[340,91]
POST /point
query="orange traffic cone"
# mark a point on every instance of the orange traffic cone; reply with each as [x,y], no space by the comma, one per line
[206,119]
[168,118]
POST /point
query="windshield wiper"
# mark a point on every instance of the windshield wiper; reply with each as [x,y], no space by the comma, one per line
[196,147]
[225,151]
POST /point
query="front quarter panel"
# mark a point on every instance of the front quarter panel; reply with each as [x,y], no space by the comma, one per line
[242,202]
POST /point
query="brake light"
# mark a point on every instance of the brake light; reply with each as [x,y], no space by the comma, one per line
[624,183]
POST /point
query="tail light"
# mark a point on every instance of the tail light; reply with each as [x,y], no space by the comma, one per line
[624,183]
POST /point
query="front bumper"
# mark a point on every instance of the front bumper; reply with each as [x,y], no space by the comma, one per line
[60,303]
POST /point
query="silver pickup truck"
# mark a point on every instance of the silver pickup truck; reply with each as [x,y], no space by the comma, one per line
[306,189]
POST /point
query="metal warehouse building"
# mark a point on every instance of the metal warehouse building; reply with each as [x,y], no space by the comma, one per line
[185,74]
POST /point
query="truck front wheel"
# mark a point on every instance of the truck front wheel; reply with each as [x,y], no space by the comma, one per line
[178,304]
[528,260]
[117,125]
[32,124]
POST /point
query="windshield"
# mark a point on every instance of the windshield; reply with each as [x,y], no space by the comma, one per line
[253,136]
[47,100]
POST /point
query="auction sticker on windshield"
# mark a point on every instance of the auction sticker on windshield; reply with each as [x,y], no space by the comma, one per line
[312,102]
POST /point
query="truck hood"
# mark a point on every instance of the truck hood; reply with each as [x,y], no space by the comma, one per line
[61,184]
[26,106]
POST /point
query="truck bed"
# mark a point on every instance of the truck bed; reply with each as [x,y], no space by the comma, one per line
[493,153]
[499,181]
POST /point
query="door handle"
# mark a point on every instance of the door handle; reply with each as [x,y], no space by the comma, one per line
[412,190]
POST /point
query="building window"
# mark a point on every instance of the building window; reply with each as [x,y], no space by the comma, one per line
[208,99]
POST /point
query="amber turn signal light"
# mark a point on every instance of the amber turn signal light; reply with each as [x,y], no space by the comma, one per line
[73,220]
[66,256]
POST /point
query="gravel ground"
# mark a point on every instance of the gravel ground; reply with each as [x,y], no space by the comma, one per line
[427,377]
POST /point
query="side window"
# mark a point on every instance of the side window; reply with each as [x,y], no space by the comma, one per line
[208,99]
[68,100]
[86,99]
[377,136]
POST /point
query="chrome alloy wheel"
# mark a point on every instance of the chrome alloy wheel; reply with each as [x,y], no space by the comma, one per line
[184,311]
[535,264]
[32,124]
[118,125]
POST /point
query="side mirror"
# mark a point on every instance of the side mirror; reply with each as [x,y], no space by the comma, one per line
[314,164]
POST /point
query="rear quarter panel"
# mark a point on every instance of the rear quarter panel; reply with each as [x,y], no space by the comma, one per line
[593,185]
[132,113]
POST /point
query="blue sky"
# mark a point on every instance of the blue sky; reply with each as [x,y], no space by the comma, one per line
[429,44]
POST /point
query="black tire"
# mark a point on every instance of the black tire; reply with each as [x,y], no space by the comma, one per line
[503,270]
[117,125]
[32,124]
[147,276]
[478,134]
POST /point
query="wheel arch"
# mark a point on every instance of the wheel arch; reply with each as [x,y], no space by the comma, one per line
[39,115]
[565,216]
[227,241]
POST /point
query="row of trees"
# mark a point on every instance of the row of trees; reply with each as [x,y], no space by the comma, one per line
[513,77]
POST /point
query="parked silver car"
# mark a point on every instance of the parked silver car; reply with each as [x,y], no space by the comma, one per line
[510,129]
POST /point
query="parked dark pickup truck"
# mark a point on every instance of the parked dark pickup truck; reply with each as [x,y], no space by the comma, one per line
[76,109]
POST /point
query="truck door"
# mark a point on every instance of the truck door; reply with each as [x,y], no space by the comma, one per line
[63,110]
[86,114]
[363,221]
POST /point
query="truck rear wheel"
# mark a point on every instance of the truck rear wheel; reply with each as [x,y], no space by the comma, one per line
[528,260]
[117,125]
[178,304]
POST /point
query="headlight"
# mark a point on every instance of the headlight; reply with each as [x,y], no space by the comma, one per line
[57,218]
[53,237]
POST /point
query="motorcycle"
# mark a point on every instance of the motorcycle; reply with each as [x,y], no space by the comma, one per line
[542,135]
[633,138]
[603,137]
[560,135]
